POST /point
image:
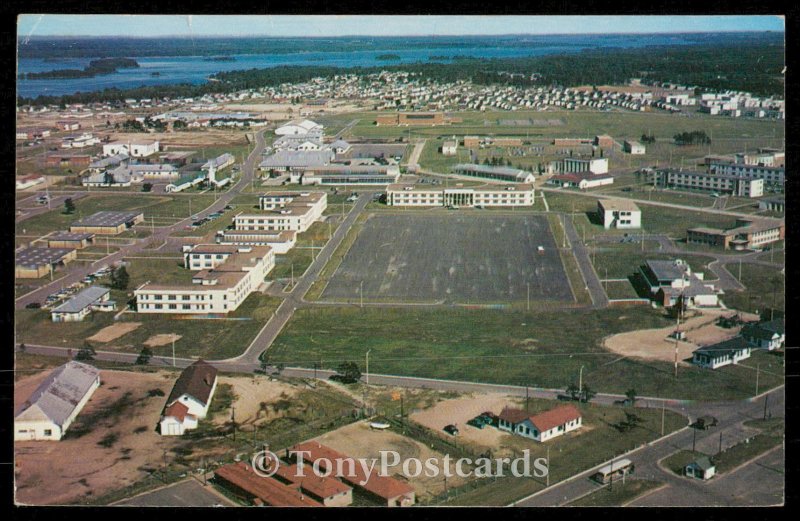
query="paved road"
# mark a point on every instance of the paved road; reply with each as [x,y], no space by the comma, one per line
[731,415]
[28,208]
[592,281]
[345,129]
[294,299]
[413,160]
[187,493]
[159,236]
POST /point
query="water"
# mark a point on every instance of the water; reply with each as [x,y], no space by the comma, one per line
[196,70]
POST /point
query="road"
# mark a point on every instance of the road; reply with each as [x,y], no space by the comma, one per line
[294,299]
[345,129]
[56,203]
[731,416]
[592,281]
[160,234]
[187,493]
[413,160]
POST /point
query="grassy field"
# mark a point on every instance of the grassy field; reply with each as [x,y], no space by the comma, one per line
[619,495]
[572,453]
[299,258]
[618,261]
[619,289]
[543,349]
[199,338]
[766,288]
[330,268]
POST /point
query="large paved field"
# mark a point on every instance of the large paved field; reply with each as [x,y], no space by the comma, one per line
[453,257]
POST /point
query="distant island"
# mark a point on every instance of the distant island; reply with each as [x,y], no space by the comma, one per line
[219,59]
[95,68]
[387,57]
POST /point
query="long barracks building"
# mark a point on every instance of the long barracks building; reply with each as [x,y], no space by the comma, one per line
[284,211]
[414,195]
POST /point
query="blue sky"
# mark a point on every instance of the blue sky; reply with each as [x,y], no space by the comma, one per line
[285,25]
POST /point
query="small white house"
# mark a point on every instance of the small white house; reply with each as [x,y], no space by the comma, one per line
[724,353]
[449,148]
[54,405]
[634,148]
[701,468]
[619,213]
[132,149]
[765,335]
[540,427]
[189,400]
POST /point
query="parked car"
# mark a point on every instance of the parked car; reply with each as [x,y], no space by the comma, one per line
[705,422]
[451,430]
[33,305]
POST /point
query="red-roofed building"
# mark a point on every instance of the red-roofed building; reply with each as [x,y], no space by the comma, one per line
[393,491]
[542,426]
[327,490]
[241,479]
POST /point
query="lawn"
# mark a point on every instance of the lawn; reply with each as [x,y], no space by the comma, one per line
[572,453]
[299,258]
[619,261]
[766,288]
[205,338]
[542,349]
[619,495]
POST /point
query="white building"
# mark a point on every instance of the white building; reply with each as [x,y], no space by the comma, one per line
[634,148]
[298,127]
[280,242]
[54,405]
[619,213]
[29,181]
[416,195]
[132,149]
[87,300]
[540,427]
[569,165]
[672,280]
[189,400]
[284,211]
[724,353]
[449,148]
[223,282]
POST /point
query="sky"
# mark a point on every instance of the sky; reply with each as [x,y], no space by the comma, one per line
[351,25]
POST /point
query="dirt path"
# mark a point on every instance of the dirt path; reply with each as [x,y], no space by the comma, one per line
[114,331]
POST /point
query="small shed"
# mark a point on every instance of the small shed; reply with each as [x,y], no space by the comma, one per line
[701,468]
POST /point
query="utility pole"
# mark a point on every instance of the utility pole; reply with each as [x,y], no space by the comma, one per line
[293,275]
[173,352]
[527,398]
[368,350]
[580,380]
[720,442]
[758,370]
[548,465]
[164,468]
[361,294]
[694,438]
[233,421]
[529,296]
[740,270]
[663,413]
[766,401]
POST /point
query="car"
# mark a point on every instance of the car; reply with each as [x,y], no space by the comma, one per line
[33,305]
[195,217]
[451,430]
[627,189]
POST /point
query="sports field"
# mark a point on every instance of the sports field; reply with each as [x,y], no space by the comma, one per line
[452,257]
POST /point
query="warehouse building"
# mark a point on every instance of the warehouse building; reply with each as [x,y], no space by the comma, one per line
[104,163]
[296,161]
[412,119]
[215,290]
[68,240]
[745,234]
[634,148]
[32,263]
[581,180]
[67,161]
[133,149]
[569,165]
[48,413]
[351,175]
[619,213]
[416,195]
[93,298]
[494,173]
[107,222]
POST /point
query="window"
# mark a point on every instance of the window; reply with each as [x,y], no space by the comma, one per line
[48,432]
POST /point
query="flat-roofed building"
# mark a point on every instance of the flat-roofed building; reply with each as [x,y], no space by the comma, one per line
[68,240]
[29,181]
[773,176]
[494,173]
[280,242]
[50,410]
[472,141]
[634,148]
[214,291]
[87,300]
[745,234]
[773,204]
[572,142]
[336,174]
[715,182]
[619,213]
[107,222]
[131,148]
[296,160]
[418,195]
[604,141]
[570,165]
[411,119]
[32,263]
[105,163]
[449,148]
[284,211]
[67,161]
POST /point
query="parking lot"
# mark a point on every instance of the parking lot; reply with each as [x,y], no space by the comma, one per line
[455,257]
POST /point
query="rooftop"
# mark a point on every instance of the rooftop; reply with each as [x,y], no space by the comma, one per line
[35,257]
[618,205]
[197,380]
[106,218]
[67,236]
[728,346]
[668,269]
[82,300]
[59,394]
[267,490]
[555,417]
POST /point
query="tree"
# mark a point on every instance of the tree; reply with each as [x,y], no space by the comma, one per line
[587,394]
[144,356]
[69,206]
[631,395]
[348,372]
[573,391]
[120,278]
[22,347]
[146,187]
